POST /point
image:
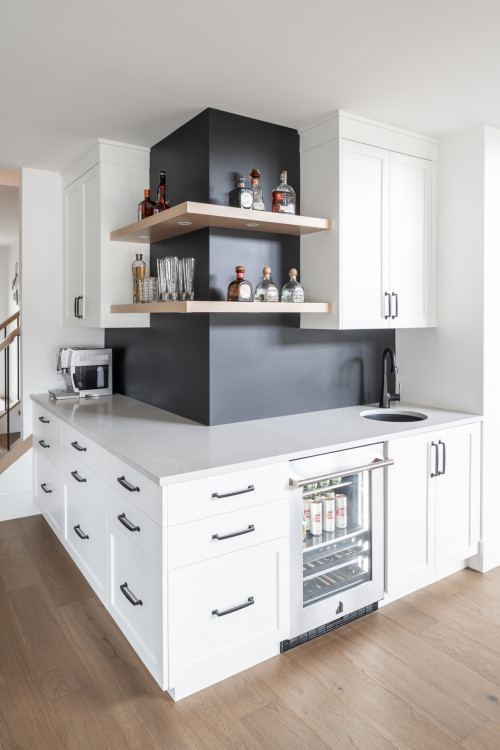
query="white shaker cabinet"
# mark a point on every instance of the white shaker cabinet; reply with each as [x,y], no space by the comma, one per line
[432,506]
[376,266]
[101,191]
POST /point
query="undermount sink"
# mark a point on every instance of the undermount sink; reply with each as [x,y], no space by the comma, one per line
[394,415]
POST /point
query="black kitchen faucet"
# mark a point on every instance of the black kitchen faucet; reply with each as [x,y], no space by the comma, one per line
[385,396]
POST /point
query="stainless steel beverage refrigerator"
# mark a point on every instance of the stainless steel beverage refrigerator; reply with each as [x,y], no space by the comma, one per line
[337,539]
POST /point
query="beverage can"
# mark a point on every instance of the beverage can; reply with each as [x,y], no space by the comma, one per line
[329,513]
[340,511]
[316,517]
[306,506]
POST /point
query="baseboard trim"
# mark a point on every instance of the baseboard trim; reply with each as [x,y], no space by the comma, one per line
[17,505]
[488,556]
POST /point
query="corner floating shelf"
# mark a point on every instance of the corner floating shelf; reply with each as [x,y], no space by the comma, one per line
[200,306]
[189,216]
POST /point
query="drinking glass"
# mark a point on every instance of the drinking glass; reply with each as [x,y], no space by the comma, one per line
[180,280]
[188,264]
[162,278]
[148,289]
[171,278]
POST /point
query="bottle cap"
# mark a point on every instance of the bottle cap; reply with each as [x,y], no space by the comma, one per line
[240,269]
[266,270]
[138,256]
[293,272]
[146,193]
[255,174]
[283,175]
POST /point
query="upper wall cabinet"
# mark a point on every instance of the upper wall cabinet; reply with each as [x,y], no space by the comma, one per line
[98,190]
[376,267]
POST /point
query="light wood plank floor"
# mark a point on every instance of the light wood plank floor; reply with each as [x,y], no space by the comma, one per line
[421,673]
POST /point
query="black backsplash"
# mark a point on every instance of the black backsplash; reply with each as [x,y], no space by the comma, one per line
[217,369]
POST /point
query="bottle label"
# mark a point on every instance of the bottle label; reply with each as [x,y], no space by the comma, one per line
[245,292]
[298,294]
[272,294]
[246,199]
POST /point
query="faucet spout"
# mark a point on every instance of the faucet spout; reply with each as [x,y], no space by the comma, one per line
[385,396]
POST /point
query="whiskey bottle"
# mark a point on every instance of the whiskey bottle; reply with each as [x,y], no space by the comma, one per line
[239,290]
[138,272]
[292,291]
[266,290]
[258,199]
[241,196]
[162,199]
[283,196]
[146,207]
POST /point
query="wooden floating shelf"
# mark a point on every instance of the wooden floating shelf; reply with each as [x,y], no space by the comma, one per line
[200,306]
[189,216]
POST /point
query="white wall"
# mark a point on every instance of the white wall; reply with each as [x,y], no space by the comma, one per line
[41,287]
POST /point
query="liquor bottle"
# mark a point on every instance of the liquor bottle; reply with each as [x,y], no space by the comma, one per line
[239,290]
[162,199]
[241,196]
[138,272]
[266,290]
[146,207]
[258,198]
[292,291]
[283,196]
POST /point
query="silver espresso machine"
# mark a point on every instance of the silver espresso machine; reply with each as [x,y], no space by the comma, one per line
[87,372]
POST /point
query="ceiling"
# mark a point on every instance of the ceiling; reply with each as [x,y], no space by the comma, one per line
[133,71]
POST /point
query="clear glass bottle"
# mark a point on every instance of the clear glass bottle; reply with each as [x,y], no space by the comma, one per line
[258,198]
[138,272]
[283,196]
[292,291]
[162,199]
[241,196]
[146,207]
[240,290]
[266,290]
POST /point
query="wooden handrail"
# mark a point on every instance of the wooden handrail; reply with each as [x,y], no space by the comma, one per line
[10,320]
[10,338]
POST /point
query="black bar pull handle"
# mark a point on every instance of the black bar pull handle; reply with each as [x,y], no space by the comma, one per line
[393,294]
[44,488]
[127,485]
[77,476]
[443,470]
[75,311]
[44,444]
[43,420]
[128,524]
[80,533]
[436,460]
[250,488]
[248,603]
[77,446]
[129,595]
[387,297]
[234,533]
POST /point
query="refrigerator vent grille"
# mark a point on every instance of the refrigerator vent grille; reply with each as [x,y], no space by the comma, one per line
[322,629]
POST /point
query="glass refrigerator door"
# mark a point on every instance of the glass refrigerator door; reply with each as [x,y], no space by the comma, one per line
[338,559]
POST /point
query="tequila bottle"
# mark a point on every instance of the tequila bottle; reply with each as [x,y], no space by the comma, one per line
[283,196]
[241,196]
[162,199]
[258,199]
[146,207]
[240,290]
[292,291]
[266,290]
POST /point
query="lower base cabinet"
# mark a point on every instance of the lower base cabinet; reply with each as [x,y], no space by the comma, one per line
[225,609]
[85,538]
[432,506]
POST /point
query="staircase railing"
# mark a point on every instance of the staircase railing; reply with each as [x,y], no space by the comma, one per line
[11,383]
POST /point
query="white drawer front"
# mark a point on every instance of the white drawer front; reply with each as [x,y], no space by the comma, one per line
[78,475]
[137,526]
[134,486]
[48,491]
[85,538]
[135,599]
[229,532]
[47,443]
[203,498]
[46,423]
[84,449]
[239,601]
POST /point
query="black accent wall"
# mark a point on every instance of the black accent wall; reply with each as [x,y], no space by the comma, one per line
[217,369]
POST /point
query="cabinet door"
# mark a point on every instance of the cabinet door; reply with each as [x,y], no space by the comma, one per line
[48,491]
[457,495]
[91,247]
[410,241]
[409,509]
[85,538]
[364,222]
[73,252]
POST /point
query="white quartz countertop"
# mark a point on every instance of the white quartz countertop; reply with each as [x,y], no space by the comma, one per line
[168,448]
